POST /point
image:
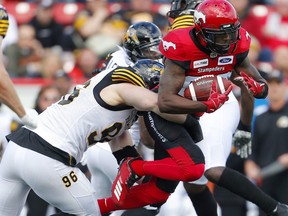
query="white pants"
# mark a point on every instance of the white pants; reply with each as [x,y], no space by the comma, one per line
[218,128]
[22,169]
[103,168]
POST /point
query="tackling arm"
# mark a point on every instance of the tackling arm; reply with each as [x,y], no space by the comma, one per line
[138,97]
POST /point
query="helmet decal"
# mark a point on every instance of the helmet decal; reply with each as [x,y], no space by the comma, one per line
[168,44]
[142,40]
[198,15]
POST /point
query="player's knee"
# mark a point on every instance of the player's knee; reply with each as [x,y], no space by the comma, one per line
[160,196]
[192,172]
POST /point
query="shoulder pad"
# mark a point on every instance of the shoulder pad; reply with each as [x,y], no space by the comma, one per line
[175,45]
[183,21]
[127,75]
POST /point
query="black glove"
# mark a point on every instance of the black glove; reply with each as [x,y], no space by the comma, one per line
[242,141]
[4,21]
[193,127]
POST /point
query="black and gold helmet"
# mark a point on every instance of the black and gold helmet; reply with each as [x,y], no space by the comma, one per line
[178,6]
[150,71]
[142,40]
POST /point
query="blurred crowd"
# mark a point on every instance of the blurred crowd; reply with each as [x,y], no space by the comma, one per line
[66,40]
[75,36]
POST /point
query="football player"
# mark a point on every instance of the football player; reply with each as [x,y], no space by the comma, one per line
[8,95]
[216,45]
[100,110]
[140,41]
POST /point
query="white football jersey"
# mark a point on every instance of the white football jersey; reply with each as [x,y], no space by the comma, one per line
[121,58]
[118,58]
[83,118]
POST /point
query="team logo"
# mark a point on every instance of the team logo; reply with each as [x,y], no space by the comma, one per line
[200,63]
[247,35]
[225,60]
[168,44]
[198,16]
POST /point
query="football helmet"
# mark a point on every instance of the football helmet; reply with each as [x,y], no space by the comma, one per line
[177,6]
[150,71]
[217,26]
[141,41]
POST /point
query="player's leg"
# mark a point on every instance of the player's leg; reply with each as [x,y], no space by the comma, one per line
[218,139]
[138,196]
[102,174]
[64,187]
[13,190]
[216,171]
[185,161]
[217,129]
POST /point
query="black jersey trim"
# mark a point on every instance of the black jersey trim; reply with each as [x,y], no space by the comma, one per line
[30,140]
[106,81]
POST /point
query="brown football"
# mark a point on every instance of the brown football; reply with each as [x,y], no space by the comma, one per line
[200,88]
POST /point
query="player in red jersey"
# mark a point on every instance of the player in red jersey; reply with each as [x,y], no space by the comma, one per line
[216,45]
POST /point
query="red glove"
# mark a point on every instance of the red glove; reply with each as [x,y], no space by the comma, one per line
[253,86]
[216,100]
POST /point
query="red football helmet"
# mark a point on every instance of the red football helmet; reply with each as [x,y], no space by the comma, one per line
[217,26]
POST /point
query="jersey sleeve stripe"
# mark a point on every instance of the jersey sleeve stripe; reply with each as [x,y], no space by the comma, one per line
[127,76]
[184,21]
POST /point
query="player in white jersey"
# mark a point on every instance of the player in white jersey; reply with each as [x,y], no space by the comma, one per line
[140,41]
[44,159]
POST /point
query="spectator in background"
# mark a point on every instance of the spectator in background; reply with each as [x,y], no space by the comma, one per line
[47,95]
[63,82]
[276,25]
[268,163]
[280,57]
[86,63]
[48,31]
[51,63]
[24,57]
[139,11]
[89,21]
[252,17]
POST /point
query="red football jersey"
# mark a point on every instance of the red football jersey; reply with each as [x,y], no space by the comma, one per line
[181,46]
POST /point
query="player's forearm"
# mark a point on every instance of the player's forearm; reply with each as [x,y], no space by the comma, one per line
[247,107]
[177,118]
[178,105]
[8,95]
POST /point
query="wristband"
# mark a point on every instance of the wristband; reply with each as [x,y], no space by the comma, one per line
[243,127]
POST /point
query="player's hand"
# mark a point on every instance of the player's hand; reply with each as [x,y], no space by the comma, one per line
[4,21]
[253,86]
[242,142]
[30,119]
[216,100]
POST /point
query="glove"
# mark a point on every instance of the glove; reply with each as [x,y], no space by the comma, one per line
[216,100]
[30,119]
[254,87]
[242,142]
[4,21]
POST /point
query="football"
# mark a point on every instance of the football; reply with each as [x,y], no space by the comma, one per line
[199,89]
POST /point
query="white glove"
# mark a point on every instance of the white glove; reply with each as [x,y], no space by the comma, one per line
[30,119]
[242,142]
